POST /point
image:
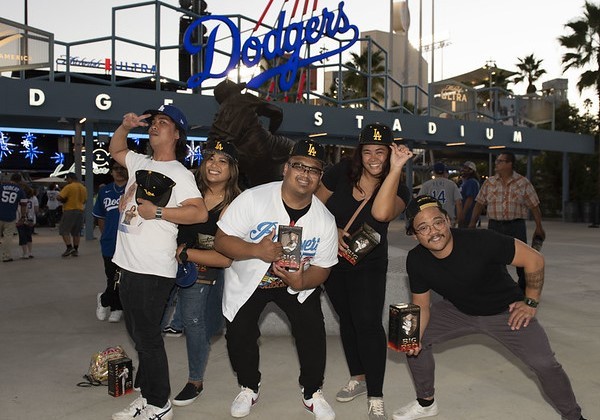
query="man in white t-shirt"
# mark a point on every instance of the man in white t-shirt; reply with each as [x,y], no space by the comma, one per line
[160,194]
[247,234]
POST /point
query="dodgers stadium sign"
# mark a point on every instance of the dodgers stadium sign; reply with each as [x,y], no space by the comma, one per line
[279,42]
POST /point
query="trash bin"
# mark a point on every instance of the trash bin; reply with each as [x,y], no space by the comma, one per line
[587,211]
[571,212]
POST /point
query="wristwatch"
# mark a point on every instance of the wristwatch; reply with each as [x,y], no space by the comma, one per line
[158,214]
[183,256]
[531,302]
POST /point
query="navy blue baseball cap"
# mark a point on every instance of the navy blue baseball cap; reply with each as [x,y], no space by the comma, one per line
[172,112]
[187,274]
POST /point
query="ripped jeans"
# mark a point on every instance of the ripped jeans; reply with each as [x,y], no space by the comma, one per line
[202,316]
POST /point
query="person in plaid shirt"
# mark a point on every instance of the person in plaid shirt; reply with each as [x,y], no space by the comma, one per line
[508,197]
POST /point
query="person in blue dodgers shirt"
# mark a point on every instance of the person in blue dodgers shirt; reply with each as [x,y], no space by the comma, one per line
[371,179]
[479,297]
[106,212]
[160,194]
[247,234]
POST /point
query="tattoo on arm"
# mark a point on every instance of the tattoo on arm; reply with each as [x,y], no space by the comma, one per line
[535,280]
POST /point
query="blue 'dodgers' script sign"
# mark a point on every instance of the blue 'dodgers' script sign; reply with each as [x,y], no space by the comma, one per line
[278,42]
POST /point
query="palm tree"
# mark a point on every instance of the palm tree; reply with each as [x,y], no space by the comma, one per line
[357,78]
[584,52]
[530,72]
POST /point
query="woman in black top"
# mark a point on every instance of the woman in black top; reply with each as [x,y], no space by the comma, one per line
[357,292]
[200,304]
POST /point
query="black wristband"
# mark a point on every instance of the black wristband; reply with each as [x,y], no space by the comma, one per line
[183,256]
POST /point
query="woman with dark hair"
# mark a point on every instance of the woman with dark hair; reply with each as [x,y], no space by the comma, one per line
[364,190]
[200,304]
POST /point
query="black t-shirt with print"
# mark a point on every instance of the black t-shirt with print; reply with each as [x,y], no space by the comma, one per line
[473,277]
[343,205]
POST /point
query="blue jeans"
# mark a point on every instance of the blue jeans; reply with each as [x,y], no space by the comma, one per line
[172,316]
[202,316]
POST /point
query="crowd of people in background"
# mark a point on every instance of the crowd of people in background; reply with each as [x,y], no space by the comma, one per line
[160,222]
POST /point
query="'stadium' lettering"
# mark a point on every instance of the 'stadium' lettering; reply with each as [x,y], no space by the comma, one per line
[278,42]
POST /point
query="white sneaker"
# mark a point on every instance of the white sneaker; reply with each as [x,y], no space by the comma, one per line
[414,410]
[134,410]
[152,412]
[115,316]
[101,311]
[241,405]
[319,407]
[376,409]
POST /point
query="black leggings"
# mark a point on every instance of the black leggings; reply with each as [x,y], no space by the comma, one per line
[358,297]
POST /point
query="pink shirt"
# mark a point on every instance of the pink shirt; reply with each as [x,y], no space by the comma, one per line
[508,201]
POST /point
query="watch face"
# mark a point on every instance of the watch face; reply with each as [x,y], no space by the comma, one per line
[531,302]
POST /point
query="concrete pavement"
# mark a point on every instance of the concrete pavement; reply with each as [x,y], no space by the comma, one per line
[49,332]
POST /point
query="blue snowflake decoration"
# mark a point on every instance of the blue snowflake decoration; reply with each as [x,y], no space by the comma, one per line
[31,151]
[194,154]
[58,158]
[4,146]
[28,140]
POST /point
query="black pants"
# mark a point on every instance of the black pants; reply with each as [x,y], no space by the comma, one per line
[144,297]
[308,329]
[517,229]
[110,297]
[358,297]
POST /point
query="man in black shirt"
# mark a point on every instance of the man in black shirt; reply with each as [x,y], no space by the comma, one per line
[468,268]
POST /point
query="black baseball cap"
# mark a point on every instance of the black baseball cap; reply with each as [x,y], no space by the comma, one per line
[415,206]
[309,148]
[154,187]
[225,147]
[376,134]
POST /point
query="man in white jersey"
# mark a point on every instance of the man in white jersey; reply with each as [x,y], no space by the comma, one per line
[247,234]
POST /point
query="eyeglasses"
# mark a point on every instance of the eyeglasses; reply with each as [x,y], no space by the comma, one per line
[438,224]
[305,169]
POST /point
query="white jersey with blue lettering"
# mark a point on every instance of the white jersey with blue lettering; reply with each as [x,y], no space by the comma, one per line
[253,215]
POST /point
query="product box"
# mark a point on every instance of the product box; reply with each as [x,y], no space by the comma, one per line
[291,239]
[120,377]
[360,244]
[404,327]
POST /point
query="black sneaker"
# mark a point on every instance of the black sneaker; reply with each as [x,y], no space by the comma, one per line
[188,395]
[172,332]
[68,252]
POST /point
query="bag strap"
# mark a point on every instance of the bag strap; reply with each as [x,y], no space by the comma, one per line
[353,218]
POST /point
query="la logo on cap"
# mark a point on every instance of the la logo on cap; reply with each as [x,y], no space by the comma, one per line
[312,151]
[376,135]
[219,146]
